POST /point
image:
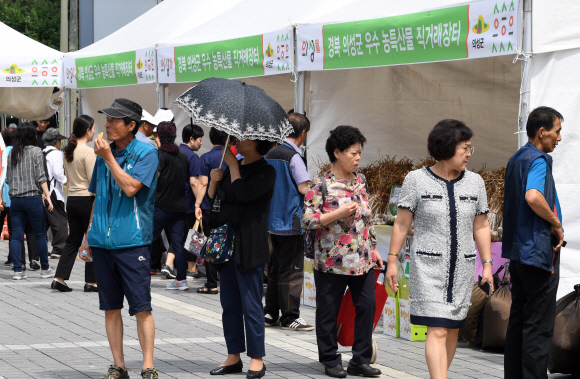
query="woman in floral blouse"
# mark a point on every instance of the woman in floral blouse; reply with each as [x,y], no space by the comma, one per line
[345,252]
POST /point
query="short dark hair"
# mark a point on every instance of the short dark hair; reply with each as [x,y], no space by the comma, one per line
[299,122]
[127,121]
[263,146]
[341,138]
[445,137]
[191,130]
[541,117]
[217,137]
[8,135]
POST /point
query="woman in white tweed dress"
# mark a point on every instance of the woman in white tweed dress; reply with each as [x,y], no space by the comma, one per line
[448,206]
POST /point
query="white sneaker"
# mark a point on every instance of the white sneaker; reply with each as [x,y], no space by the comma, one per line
[19,276]
[47,273]
[177,285]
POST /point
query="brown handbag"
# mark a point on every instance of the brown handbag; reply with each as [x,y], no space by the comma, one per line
[565,349]
[496,315]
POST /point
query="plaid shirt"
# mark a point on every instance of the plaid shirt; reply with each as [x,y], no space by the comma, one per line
[26,177]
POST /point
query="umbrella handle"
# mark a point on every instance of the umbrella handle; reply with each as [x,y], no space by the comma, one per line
[224,152]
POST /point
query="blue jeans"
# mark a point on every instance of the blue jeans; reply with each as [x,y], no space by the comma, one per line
[31,209]
[241,298]
[176,224]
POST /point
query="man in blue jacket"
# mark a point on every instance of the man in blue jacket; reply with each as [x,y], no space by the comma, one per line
[286,270]
[124,181]
[532,238]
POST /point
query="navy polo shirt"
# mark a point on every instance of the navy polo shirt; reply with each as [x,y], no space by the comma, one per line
[208,162]
[194,165]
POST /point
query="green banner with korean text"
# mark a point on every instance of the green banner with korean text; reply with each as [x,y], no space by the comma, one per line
[479,29]
[132,67]
[265,54]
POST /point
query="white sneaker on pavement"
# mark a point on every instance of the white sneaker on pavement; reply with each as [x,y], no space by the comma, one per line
[47,273]
[298,324]
[177,285]
[19,276]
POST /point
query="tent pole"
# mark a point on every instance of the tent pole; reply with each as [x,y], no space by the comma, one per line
[161,95]
[525,90]
[65,128]
[299,90]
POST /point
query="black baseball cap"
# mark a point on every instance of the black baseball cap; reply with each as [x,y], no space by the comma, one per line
[124,108]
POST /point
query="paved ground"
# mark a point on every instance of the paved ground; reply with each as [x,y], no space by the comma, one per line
[47,334]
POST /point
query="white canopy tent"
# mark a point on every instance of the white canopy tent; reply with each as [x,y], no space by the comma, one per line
[29,71]
[396,106]
[167,19]
[554,83]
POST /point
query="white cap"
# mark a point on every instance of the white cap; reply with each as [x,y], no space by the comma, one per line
[150,119]
[164,115]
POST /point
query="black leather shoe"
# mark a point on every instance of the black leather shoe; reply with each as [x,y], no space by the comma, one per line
[89,288]
[231,369]
[256,374]
[362,369]
[336,371]
[56,285]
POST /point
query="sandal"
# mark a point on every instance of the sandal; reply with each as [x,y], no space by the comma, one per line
[208,291]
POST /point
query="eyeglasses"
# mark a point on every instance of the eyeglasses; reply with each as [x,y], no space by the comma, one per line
[468,149]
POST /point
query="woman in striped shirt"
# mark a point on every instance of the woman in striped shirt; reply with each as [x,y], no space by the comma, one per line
[26,177]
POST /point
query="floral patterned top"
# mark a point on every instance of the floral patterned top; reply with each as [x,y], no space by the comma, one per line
[345,246]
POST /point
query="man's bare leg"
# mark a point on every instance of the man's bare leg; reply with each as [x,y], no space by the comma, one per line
[146,333]
[114,327]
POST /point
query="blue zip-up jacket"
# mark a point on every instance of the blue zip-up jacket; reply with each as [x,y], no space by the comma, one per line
[287,204]
[526,236]
[130,220]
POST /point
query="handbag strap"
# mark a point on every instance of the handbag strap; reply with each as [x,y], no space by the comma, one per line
[198,225]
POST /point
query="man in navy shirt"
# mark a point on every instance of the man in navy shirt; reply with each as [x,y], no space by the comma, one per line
[208,162]
[532,238]
[191,137]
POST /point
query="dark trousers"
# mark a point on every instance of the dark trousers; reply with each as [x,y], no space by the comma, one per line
[175,222]
[189,222]
[241,298]
[23,210]
[57,221]
[79,215]
[210,271]
[330,290]
[531,325]
[30,240]
[285,277]
[157,250]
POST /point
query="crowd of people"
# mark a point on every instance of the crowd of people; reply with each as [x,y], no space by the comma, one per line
[127,197]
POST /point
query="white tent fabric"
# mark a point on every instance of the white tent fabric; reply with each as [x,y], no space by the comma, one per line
[356,10]
[27,63]
[553,86]
[396,107]
[253,17]
[168,19]
[555,25]
[24,66]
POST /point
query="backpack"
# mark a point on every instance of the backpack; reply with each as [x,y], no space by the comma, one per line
[309,236]
[49,179]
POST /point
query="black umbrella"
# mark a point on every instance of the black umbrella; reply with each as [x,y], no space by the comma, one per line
[239,109]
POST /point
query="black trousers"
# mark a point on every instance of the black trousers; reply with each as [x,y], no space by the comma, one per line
[79,215]
[330,290]
[210,271]
[189,222]
[285,277]
[173,223]
[57,221]
[30,239]
[531,325]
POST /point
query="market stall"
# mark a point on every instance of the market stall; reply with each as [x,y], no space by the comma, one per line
[29,71]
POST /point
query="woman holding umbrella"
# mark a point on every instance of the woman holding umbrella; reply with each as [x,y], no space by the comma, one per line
[248,186]
[241,198]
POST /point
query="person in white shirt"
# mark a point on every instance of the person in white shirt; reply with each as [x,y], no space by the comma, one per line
[56,219]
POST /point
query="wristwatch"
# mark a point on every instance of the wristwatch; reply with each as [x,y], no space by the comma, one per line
[487,261]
